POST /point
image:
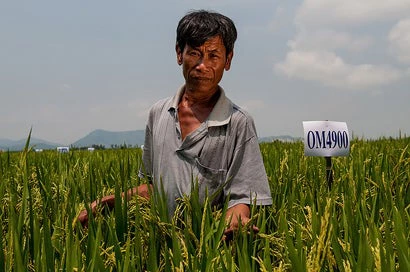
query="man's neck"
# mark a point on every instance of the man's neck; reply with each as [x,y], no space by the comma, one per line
[193,98]
[194,109]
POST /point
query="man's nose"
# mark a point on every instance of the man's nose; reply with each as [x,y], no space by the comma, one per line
[202,64]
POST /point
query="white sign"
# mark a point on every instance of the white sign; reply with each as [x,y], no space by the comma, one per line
[326,138]
[63,149]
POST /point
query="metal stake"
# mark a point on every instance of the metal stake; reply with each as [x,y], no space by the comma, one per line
[329,172]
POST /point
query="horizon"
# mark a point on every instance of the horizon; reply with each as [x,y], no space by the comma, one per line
[352,136]
[104,130]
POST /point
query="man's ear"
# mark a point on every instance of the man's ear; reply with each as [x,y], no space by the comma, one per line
[228,61]
[179,54]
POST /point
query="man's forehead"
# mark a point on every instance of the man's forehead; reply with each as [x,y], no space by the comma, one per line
[213,44]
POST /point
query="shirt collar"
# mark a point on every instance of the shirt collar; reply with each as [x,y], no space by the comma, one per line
[221,113]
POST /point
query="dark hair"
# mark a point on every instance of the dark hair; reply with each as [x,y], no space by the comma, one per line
[196,27]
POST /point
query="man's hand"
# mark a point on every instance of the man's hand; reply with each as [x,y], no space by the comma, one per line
[105,201]
[238,215]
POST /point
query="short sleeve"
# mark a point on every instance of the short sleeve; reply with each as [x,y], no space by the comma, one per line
[247,179]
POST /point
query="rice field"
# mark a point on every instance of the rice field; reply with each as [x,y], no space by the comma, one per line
[361,223]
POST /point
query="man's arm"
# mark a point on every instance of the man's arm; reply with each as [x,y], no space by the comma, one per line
[143,190]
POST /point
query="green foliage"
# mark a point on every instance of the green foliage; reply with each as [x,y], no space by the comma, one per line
[361,224]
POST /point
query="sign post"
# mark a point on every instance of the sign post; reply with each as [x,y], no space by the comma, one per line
[326,139]
[329,172]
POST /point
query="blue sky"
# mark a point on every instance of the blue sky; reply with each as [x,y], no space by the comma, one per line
[69,67]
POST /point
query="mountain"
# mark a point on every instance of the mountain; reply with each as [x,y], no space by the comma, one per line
[110,138]
[6,144]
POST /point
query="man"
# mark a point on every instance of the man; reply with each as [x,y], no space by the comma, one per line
[199,135]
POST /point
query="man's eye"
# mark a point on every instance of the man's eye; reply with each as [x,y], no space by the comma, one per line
[193,53]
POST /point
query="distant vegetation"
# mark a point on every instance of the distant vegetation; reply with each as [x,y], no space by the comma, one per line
[361,224]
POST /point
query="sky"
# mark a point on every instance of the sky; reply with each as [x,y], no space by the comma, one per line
[70,67]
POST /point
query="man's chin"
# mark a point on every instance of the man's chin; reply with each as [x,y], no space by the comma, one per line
[200,86]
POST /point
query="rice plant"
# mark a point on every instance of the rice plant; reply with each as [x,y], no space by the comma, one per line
[361,223]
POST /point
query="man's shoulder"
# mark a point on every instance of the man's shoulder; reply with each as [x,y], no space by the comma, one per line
[241,123]
[239,114]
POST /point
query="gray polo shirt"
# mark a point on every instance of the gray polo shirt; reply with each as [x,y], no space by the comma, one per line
[221,155]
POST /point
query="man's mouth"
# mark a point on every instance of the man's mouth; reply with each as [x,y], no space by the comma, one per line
[200,78]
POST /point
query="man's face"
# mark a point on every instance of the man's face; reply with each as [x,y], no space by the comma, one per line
[203,66]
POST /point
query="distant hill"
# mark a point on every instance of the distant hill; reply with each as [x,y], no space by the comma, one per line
[6,144]
[111,138]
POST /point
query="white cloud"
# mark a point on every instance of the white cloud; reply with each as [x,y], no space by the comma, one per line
[349,12]
[329,39]
[326,28]
[399,38]
[329,69]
